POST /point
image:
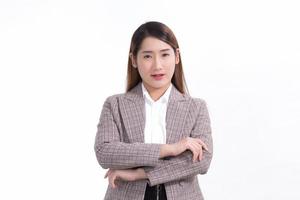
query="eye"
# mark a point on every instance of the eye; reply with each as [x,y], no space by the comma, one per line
[165,54]
[147,56]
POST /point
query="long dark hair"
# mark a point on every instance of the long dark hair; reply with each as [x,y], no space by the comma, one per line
[162,32]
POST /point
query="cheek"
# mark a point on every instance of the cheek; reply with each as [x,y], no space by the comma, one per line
[144,69]
[171,65]
[171,71]
[170,61]
[144,64]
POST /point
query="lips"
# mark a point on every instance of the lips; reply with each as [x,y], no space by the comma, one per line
[157,75]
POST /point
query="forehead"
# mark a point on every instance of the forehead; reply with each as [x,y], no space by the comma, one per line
[153,44]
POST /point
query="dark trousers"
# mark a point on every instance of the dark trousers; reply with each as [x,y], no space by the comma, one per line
[156,192]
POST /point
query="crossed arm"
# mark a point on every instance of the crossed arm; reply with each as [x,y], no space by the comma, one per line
[113,154]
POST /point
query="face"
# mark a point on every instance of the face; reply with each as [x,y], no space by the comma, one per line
[155,62]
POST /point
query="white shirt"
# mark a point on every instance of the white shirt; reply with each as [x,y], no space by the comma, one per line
[155,124]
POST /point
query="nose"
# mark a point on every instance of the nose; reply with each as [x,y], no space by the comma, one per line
[157,63]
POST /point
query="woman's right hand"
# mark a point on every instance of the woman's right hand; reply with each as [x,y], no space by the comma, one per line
[195,145]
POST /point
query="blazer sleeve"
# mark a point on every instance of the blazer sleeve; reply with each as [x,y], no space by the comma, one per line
[111,152]
[182,166]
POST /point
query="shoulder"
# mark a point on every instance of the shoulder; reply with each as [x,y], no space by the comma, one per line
[113,99]
[197,103]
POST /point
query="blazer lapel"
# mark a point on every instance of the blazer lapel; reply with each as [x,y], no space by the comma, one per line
[133,114]
[177,111]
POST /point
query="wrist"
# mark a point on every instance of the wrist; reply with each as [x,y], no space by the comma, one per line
[171,149]
[166,150]
[140,174]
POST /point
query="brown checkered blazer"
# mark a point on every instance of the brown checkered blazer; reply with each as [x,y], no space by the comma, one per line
[119,144]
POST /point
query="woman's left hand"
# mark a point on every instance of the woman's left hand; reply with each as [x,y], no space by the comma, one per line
[125,175]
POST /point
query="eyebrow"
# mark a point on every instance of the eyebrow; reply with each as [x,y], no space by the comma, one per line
[163,50]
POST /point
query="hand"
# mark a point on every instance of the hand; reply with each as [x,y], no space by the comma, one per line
[195,145]
[125,175]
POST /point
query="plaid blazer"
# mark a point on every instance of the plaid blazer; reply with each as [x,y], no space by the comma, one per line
[119,144]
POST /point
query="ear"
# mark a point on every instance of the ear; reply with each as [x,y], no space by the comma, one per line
[177,59]
[132,60]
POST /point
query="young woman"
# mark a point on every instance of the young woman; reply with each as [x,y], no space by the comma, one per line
[154,138]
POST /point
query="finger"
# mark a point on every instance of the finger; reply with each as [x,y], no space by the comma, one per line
[111,177]
[200,151]
[195,155]
[112,182]
[200,155]
[116,182]
[195,151]
[202,143]
[107,173]
[205,147]
[198,148]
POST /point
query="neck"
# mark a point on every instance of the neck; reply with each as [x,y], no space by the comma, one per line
[156,93]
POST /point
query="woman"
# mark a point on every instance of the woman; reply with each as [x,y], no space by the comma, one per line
[155,138]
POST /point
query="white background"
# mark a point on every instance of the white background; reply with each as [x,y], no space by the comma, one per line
[60,59]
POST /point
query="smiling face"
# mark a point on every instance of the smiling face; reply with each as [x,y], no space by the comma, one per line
[155,62]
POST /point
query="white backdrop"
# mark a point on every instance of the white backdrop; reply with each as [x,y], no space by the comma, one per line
[60,59]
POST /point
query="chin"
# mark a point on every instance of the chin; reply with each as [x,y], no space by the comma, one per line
[158,85]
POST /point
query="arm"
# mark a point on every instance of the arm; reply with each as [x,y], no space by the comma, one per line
[114,154]
[182,166]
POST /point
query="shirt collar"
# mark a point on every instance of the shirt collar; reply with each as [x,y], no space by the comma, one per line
[163,99]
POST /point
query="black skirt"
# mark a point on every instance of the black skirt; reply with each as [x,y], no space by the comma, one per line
[156,192]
